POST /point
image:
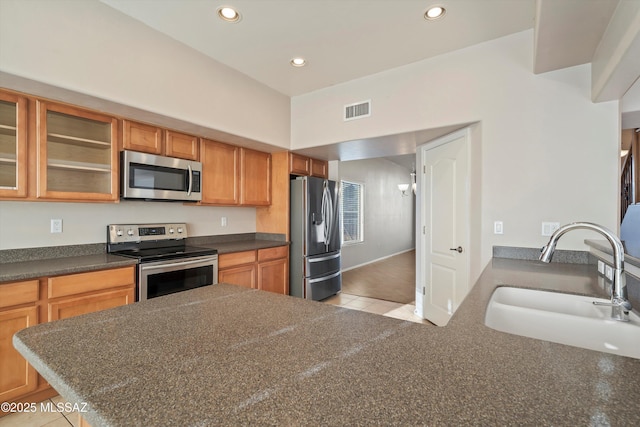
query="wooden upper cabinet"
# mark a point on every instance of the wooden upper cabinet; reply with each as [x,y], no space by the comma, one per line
[299,165]
[255,177]
[141,137]
[77,154]
[13,145]
[234,176]
[220,173]
[181,145]
[319,168]
[149,139]
[306,166]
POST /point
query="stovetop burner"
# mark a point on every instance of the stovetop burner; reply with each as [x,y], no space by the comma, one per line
[171,252]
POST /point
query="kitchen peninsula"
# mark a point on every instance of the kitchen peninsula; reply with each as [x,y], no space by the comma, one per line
[230,355]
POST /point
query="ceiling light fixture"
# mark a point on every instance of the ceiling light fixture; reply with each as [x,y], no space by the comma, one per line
[228,14]
[298,62]
[434,12]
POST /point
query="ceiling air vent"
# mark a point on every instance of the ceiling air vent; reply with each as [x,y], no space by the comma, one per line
[357,110]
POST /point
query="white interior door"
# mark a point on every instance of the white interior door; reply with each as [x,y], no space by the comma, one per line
[444,239]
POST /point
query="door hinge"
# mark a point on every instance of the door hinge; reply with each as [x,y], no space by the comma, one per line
[424,229]
[424,290]
[424,168]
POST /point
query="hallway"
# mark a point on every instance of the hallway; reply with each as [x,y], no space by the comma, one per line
[386,287]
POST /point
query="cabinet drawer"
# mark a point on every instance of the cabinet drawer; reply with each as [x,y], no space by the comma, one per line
[91,281]
[273,253]
[236,258]
[71,307]
[18,293]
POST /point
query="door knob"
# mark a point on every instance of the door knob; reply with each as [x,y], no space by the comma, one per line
[458,249]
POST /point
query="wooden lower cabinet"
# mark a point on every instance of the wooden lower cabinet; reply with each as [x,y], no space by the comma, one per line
[244,275]
[27,303]
[265,269]
[273,276]
[17,377]
[238,268]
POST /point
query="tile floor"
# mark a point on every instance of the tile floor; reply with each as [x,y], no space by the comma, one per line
[67,419]
[376,306]
[50,417]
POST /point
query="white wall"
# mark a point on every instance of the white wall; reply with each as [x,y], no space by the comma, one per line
[27,224]
[389,218]
[548,152]
[88,47]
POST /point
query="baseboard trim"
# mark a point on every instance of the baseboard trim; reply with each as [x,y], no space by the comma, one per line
[378,259]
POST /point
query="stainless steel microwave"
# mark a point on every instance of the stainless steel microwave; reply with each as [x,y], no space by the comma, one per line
[151,177]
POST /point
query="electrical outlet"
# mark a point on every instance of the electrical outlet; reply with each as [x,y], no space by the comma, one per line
[600,267]
[549,227]
[56,226]
[223,221]
[498,227]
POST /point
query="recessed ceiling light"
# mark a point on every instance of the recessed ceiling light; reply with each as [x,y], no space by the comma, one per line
[434,12]
[228,14]
[298,62]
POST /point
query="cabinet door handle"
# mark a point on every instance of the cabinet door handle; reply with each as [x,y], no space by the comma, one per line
[458,249]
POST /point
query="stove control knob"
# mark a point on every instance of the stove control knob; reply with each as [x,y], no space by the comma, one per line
[130,232]
[171,230]
[119,232]
[179,230]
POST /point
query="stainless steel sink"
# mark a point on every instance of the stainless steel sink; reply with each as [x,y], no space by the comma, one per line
[563,318]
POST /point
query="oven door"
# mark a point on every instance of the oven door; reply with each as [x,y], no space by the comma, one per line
[166,277]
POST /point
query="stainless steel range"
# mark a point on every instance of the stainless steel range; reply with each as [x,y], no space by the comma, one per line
[166,264]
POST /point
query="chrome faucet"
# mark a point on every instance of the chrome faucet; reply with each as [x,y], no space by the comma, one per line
[620,307]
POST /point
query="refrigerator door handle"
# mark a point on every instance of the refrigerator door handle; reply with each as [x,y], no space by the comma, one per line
[324,258]
[327,213]
[322,279]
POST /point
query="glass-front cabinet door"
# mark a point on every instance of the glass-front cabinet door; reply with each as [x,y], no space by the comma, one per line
[77,154]
[13,145]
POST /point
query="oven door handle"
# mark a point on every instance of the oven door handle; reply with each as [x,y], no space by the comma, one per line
[177,264]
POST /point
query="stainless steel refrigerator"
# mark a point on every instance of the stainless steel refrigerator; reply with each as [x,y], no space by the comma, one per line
[315,239]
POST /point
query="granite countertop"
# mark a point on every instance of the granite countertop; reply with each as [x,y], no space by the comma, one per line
[229,355]
[25,270]
[241,246]
[25,264]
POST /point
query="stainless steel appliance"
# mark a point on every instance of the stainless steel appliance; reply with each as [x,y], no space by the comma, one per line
[315,239]
[166,264]
[150,177]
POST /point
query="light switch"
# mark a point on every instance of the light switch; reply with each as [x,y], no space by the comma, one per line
[498,227]
[223,221]
[549,227]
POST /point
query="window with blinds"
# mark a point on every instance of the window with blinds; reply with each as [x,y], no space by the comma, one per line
[351,204]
